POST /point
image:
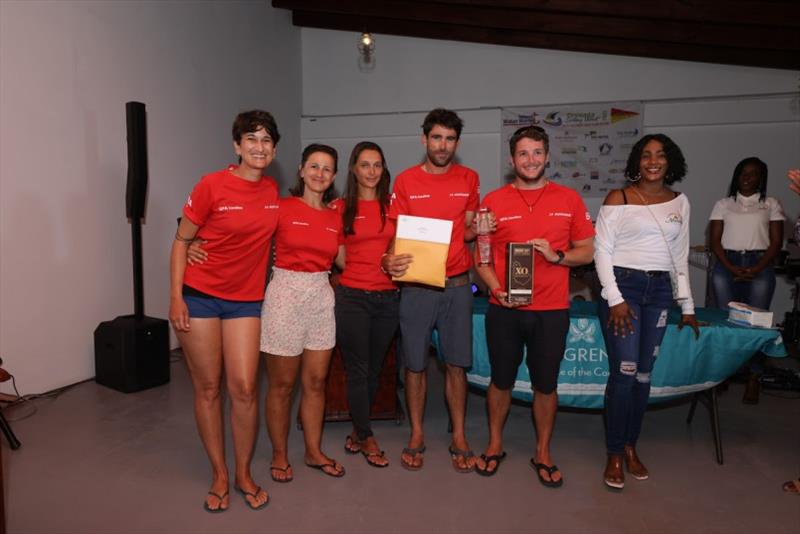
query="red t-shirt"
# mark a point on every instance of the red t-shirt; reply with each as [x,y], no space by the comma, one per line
[237,218]
[440,196]
[363,249]
[559,215]
[307,239]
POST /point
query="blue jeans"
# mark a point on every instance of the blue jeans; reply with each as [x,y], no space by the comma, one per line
[756,292]
[631,358]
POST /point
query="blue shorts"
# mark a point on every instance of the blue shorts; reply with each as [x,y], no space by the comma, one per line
[449,311]
[212,307]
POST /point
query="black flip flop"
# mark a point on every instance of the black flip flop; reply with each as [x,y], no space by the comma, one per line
[338,474]
[254,495]
[283,470]
[550,470]
[486,472]
[368,455]
[351,446]
[219,509]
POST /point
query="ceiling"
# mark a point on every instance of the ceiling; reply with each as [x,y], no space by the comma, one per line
[760,33]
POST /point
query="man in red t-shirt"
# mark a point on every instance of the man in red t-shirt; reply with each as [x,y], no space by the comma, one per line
[554,219]
[440,189]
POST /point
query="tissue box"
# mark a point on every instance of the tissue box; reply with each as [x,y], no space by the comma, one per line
[744,314]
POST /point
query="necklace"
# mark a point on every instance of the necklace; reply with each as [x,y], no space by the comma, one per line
[533,204]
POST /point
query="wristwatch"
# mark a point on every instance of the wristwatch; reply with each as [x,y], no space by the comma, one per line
[560,254]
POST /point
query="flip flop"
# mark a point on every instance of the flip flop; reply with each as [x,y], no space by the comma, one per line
[351,446]
[371,458]
[254,495]
[455,452]
[413,452]
[219,509]
[550,470]
[792,486]
[338,472]
[486,472]
[282,470]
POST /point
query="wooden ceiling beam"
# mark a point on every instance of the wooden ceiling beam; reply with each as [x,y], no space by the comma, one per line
[492,18]
[783,59]
[785,13]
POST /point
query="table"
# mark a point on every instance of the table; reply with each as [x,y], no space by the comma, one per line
[684,365]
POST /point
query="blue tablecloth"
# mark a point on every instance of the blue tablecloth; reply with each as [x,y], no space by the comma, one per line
[684,364]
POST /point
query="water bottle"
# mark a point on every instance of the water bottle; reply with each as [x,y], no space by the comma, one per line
[484,239]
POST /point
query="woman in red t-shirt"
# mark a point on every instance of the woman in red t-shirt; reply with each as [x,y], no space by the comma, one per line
[215,306]
[298,330]
[366,299]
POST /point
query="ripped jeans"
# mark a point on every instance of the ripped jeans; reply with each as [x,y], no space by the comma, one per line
[631,358]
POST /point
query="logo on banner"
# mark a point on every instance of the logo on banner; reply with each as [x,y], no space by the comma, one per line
[621,114]
[605,149]
[582,330]
[628,133]
[553,119]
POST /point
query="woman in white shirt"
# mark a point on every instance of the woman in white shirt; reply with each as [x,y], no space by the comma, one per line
[745,234]
[642,237]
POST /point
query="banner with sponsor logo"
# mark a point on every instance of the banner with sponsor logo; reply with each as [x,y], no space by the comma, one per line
[589,143]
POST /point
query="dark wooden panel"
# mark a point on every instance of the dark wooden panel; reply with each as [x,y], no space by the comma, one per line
[784,59]
[587,25]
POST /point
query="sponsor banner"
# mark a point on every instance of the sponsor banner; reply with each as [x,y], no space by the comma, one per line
[589,143]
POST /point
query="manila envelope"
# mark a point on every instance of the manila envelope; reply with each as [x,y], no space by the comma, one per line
[428,240]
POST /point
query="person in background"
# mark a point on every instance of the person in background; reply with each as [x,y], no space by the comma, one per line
[642,237]
[366,298]
[215,306]
[745,235]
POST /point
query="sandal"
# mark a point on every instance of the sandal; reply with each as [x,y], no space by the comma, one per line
[332,468]
[455,452]
[792,486]
[254,495]
[351,446]
[413,452]
[486,471]
[374,458]
[219,509]
[285,470]
[550,470]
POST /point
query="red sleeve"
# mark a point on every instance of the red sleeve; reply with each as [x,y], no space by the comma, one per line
[475,192]
[399,201]
[198,205]
[582,227]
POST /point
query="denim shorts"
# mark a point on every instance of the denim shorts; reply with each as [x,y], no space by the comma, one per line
[212,307]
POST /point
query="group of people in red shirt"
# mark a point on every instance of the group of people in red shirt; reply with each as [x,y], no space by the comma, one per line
[223,317]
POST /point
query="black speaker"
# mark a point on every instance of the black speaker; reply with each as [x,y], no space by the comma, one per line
[136,191]
[131,354]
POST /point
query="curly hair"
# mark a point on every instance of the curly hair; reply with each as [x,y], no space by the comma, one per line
[251,121]
[676,163]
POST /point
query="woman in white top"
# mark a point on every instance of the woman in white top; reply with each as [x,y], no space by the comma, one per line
[642,236]
[746,233]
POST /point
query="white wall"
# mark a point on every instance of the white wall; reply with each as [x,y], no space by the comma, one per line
[718,114]
[67,69]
